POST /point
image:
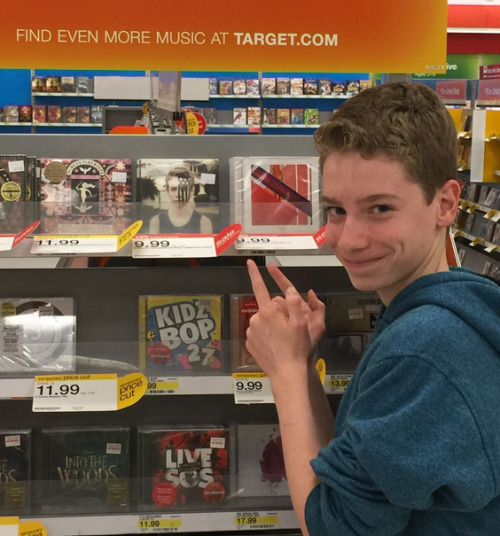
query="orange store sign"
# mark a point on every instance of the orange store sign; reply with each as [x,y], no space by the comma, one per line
[265,35]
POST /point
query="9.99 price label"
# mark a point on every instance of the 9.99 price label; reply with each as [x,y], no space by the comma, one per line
[252,388]
[168,246]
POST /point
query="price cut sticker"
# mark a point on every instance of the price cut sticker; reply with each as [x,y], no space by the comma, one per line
[275,242]
[32,528]
[82,244]
[87,392]
[252,388]
[9,526]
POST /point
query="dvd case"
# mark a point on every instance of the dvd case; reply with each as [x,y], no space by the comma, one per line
[350,321]
[183,468]
[15,471]
[179,196]
[86,195]
[37,335]
[181,333]
[275,194]
[85,469]
[260,466]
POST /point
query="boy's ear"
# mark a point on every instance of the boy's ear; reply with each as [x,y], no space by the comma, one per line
[447,197]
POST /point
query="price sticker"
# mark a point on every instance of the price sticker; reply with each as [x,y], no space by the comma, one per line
[168,246]
[338,383]
[246,520]
[9,526]
[163,386]
[493,215]
[32,528]
[6,242]
[160,523]
[275,242]
[87,392]
[73,244]
[252,388]
[472,208]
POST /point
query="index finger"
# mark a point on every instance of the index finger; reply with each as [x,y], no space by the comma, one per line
[258,285]
[281,280]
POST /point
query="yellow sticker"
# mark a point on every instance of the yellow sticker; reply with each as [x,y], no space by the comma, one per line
[249,375]
[128,234]
[11,520]
[160,523]
[32,528]
[131,388]
[321,370]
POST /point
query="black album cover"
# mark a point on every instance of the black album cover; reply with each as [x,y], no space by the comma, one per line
[15,471]
[13,169]
[183,468]
[37,335]
[86,469]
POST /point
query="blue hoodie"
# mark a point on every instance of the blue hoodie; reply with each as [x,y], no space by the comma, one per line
[417,437]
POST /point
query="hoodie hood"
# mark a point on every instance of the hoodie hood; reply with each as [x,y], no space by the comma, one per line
[472,298]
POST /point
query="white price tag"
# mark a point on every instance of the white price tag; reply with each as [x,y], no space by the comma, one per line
[337,383]
[6,242]
[74,244]
[275,242]
[78,392]
[16,166]
[252,388]
[168,246]
[9,526]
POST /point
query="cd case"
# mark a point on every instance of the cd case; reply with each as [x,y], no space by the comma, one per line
[37,335]
[275,194]
[86,469]
[179,196]
[183,468]
[181,333]
[15,471]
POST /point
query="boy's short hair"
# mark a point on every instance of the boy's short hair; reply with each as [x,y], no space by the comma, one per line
[399,120]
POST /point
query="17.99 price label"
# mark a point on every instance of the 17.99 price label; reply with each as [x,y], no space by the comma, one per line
[252,388]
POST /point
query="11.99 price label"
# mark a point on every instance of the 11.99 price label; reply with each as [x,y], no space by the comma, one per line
[252,388]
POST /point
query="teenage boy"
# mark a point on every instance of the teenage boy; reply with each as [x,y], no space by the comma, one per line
[415,449]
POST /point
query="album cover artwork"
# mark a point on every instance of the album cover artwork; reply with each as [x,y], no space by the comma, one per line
[225,87]
[338,88]
[210,114]
[96,114]
[283,116]
[243,307]
[352,87]
[181,333]
[283,85]
[310,86]
[15,471]
[25,113]
[325,86]
[252,86]
[213,86]
[12,193]
[179,196]
[269,116]
[83,114]
[68,84]
[83,84]
[37,335]
[54,113]
[350,321]
[68,114]
[183,468]
[496,235]
[85,469]
[297,116]
[53,84]
[275,194]
[253,115]
[239,86]
[39,113]
[296,86]
[39,84]
[239,116]
[11,113]
[311,116]
[260,467]
[86,195]
[268,86]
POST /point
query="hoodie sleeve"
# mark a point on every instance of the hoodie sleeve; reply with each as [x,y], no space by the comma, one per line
[410,441]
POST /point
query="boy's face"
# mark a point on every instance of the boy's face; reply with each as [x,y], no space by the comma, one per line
[379,223]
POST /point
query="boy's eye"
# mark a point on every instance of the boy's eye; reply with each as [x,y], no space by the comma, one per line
[335,211]
[379,209]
